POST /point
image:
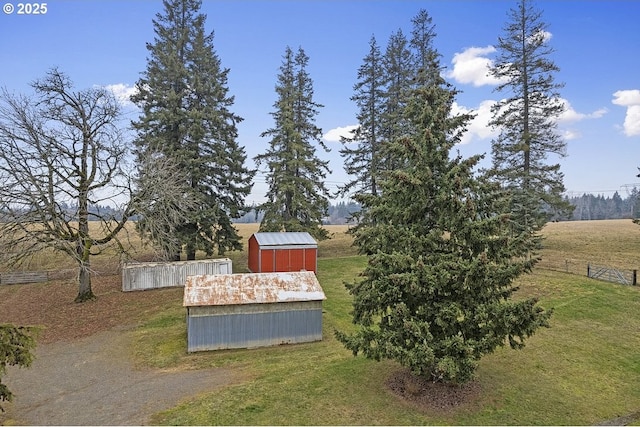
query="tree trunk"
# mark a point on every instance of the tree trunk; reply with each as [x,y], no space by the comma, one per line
[85,292]
[191,251]
[84,242]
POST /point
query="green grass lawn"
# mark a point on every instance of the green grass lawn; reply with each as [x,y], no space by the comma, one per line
[583,370]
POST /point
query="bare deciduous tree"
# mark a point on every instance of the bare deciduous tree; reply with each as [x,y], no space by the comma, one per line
[63,152]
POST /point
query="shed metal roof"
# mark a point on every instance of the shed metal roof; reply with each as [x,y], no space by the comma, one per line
[253,288]
[285,238]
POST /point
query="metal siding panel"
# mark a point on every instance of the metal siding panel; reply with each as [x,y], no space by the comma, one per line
[252,288]
[267,261]
[153,275]
[310,258]
[284,238]
[220,310]
[283,260]
[253,329]
[277,247]
[296,257]
[254,255]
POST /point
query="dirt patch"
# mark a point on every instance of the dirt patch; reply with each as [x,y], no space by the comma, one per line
[630,419]
[430,396]
[82,374]
[51,306]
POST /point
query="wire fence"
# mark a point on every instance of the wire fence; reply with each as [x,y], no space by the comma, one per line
[594,271]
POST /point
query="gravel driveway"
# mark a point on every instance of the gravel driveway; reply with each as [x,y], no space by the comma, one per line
[91,381]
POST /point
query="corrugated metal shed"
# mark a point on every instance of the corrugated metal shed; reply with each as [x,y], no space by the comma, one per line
[152,275]
[282,252]
[252,310]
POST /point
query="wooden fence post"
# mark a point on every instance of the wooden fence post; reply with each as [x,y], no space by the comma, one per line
[588,270]
[635,278]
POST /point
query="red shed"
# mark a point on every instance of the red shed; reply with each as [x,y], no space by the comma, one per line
[282,252]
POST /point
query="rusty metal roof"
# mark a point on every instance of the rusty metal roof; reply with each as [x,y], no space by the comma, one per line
[285,238]
[251,288]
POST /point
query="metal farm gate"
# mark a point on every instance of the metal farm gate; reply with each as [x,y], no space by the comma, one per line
[625,277]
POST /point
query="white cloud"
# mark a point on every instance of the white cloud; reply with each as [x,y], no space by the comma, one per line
[632,121]
[472,65]
[334,134]
[122,92]
[631,100]
[570,115]
[627,98]
[570,134]
[479,127]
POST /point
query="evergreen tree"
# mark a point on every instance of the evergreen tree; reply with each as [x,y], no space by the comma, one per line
[435,294]
[380,94]
[527,119]
[618,210]
[362,151]
[424,54]
[399,74]
[186,115]
[17,345]
[297,199]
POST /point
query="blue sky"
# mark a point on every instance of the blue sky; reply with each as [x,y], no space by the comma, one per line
[597,44]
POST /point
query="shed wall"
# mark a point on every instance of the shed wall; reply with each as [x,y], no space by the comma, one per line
[253,325]
[153,275]
[282,252]
[271,260]
[254,255]
[311,259]
[267,260]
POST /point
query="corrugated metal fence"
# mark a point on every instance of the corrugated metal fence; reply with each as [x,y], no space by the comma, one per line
[152,275]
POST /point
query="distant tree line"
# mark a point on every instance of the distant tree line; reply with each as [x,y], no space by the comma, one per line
[587,207]
[591,207]
[338,214]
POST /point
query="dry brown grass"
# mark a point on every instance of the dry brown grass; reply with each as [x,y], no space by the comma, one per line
[568,246]
[572,245]
[60,265]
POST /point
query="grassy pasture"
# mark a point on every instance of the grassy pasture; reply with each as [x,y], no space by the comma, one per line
[585,369]
[612,243]
[572,245]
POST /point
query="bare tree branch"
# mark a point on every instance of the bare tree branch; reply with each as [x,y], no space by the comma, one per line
[62,153]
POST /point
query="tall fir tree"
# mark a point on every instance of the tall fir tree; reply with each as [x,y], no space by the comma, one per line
[425,57]
[362,151]
[399,78]
[186,115]
[435,294]
[297,198]
[527,119]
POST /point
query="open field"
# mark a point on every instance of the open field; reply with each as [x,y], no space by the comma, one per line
[613,243]
[583,370]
